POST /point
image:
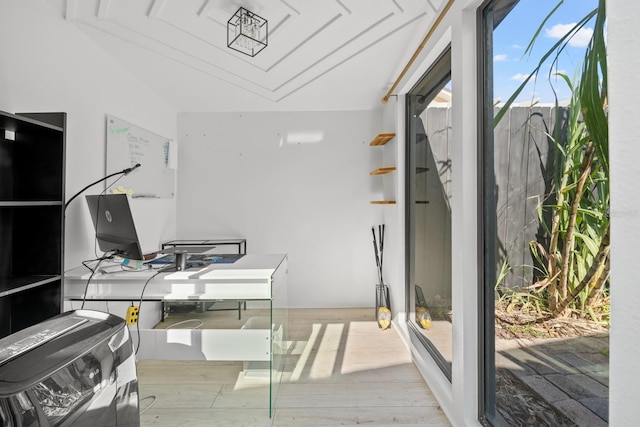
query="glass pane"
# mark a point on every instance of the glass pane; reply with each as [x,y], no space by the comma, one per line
[429,211]
[545,227]
[279,335]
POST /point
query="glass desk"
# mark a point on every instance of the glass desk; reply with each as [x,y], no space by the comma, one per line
[260,341]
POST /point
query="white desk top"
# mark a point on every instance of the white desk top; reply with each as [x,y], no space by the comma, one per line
[250,277]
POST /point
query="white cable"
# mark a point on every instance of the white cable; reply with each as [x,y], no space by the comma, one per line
[150,404]
[186,321]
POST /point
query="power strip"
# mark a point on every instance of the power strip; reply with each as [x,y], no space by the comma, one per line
[132,315]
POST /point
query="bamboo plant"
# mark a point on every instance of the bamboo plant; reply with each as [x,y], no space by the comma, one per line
[575,254]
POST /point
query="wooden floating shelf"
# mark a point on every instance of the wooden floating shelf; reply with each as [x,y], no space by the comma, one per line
[382,139]
[382,171]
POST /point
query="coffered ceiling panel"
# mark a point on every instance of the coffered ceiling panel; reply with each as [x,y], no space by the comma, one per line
[180,46]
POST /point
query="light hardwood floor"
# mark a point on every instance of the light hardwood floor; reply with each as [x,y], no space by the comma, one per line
[341,370]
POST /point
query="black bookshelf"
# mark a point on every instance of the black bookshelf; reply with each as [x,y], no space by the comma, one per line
[32,154]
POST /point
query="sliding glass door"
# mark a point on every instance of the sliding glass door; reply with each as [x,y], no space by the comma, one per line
[545,221]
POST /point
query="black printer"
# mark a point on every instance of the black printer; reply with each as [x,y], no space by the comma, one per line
[75,369]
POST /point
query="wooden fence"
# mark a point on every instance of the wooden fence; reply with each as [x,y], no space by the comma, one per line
[524,154]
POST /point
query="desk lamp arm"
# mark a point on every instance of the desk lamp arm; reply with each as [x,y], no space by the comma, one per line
[123,172]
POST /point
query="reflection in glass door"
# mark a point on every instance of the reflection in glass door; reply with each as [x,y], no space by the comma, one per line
[428,212]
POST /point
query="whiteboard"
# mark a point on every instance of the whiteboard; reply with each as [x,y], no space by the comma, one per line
[128,145]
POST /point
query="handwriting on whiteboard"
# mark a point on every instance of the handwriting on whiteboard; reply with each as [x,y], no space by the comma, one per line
[137,148]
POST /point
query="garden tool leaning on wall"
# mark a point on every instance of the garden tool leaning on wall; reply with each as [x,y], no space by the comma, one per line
[383,305]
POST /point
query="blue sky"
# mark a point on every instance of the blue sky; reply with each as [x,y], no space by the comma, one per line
[516,31]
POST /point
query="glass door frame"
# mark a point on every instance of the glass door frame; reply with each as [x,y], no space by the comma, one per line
[432,79]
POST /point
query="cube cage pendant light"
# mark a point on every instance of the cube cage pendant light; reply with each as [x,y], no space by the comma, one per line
[247,32]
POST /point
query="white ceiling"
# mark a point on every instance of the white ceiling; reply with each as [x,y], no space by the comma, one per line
[321,54]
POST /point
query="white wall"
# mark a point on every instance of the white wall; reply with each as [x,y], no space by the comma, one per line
[48,64]
[295,183]
[623,19]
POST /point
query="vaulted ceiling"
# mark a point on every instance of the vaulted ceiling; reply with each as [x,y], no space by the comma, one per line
[321,54]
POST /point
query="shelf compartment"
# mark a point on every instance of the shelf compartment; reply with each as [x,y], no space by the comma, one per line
[30,306]
[382,139]
[34,160]
[382,171]
[383,202]
[31,240]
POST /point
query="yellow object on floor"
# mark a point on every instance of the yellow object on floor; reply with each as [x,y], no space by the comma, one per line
[384,317]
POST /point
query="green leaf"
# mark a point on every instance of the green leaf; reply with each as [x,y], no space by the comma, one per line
[590,243]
